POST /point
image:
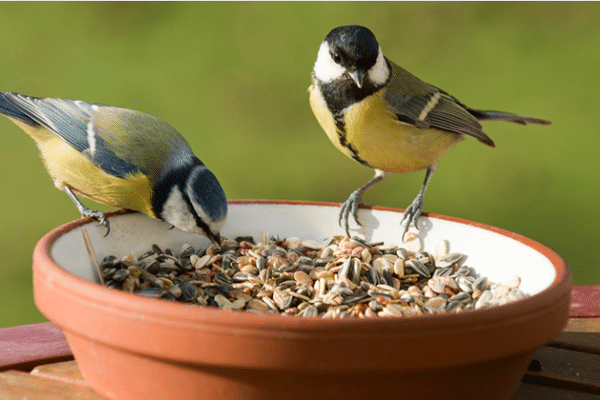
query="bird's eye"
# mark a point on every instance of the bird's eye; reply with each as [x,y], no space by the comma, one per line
[336,57]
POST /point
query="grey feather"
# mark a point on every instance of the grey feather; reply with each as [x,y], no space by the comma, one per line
[448,114]
[485,115]
[10,110]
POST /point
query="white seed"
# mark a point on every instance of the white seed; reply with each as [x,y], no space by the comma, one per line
[436,284]
[514,282]
[222,301]
[202,261]
[237,304]
[302,278]
[413,242]
[249,269]
[484,299]
[311,245]
[450,283]
[366,256]
[292,243]
[500,291]
[429,292]
[441,249]
[436,302]
[194,259]
[399,267]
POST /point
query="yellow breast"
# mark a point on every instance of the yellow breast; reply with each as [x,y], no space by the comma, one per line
[372,132]
[69,167]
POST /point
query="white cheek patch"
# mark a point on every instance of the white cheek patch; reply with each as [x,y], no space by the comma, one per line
[176,213]
[327,70]
[380,72]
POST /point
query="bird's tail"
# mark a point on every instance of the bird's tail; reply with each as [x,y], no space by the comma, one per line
[10,110]
[483,115]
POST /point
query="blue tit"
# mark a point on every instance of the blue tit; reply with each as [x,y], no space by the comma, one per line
[382,116]
[121,158]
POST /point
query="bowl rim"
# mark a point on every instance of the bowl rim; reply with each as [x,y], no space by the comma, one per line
[184,315]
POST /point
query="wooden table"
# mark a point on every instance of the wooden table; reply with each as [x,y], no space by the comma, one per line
[36,362]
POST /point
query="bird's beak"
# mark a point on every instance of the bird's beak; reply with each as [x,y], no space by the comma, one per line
[358,76]
[216,239]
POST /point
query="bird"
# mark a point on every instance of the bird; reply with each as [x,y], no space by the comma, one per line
[384,117]
[121,158]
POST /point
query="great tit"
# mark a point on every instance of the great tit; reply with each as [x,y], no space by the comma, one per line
[382,116]
[121,158]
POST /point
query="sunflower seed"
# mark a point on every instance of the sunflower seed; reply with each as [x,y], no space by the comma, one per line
[338,278]
[418,267]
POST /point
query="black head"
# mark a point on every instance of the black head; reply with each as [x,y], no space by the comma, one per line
[353,46]
[350,66]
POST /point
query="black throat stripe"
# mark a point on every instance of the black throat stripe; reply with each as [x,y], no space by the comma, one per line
[176,179]
[199,221]
[340,126]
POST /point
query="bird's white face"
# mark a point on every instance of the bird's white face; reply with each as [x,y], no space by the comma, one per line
[177,213]
[327,70]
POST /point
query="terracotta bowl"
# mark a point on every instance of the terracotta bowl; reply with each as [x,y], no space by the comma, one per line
[132,347]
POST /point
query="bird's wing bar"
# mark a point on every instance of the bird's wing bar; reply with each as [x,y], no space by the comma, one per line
[437,109]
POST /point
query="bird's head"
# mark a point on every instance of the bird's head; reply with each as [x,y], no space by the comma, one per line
[351,53]
[190,198]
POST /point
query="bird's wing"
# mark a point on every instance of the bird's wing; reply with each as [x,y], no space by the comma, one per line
[425,106]
[10,110]
[114,139]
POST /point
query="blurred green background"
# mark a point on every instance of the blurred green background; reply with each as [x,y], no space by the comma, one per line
[233,79]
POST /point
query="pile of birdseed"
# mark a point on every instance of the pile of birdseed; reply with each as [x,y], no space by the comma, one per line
[341,277]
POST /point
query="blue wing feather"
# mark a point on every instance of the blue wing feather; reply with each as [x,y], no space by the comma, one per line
[9,109]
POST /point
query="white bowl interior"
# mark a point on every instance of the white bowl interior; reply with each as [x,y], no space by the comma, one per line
[493,255]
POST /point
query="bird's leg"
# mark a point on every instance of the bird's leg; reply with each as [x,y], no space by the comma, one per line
[350,206]
[413,211]
[86,212]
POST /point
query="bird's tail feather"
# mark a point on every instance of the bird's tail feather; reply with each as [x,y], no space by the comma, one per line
[10,110]
[484,115]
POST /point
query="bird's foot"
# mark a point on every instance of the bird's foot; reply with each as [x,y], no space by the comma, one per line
[86,212]
[350,207]
[102,220]
[412,212]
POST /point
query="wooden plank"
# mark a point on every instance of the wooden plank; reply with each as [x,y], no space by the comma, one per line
[17,385]
[583,325]
[570,364]
[581,334]
[67,371]
[586,342]
[569,370]
[24,347]
[534,392]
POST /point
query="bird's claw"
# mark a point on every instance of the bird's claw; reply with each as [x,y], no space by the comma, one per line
[350,207]
[412,212]
[102,220]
